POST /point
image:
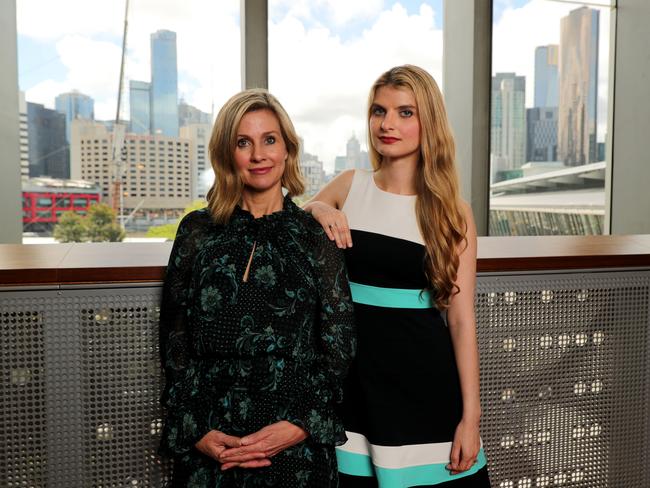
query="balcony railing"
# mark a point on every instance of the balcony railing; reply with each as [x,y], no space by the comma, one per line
[563,327]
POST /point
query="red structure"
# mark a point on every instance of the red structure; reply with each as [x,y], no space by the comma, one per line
[45,199]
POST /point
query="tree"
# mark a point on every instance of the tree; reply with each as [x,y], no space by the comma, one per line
[70,228]
[169,230]
[101,225]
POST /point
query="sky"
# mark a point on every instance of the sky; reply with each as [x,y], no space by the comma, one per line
[323,54]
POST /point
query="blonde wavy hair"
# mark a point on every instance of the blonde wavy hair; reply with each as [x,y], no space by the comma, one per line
[438,211]
[226,191]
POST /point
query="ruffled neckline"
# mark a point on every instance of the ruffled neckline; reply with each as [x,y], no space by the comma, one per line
[289,209]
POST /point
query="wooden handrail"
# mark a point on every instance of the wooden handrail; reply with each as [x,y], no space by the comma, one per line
[67,264]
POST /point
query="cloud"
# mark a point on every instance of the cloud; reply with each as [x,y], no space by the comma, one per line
[323,80]
[92,68]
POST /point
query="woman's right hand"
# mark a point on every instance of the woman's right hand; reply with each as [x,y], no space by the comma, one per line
[334,222]
[215,442]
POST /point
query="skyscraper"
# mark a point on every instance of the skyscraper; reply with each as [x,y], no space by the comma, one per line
[508,128]
[546,76]
[201,174]
[74,105]
[577,120]
[188,114]
[353,153]
[541,129]
[140,107]
[48,148]
[164,84]
[24,136]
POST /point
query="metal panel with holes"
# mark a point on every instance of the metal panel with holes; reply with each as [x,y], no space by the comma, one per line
[565,379]
[80,388]
[565,371]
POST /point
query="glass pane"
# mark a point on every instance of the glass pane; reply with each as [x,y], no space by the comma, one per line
[550,64]
[182,63]
[323,58]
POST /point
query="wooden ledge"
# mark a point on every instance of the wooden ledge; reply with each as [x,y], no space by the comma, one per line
[68,264]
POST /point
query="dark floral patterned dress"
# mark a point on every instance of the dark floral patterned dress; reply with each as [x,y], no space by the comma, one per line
[239,355]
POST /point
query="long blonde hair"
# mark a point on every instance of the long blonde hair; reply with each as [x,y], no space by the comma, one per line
[227,188]
[438,210]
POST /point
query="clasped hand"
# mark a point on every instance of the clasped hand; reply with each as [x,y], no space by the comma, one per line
[251,451]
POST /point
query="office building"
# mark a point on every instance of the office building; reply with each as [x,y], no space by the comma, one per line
[156,173]
[24,136]
[508,129]
[200,167]
[164,84]
[74,105]
[188,114]
[546,76]
[48,148]
[541,129]
[140,107]
[577,117]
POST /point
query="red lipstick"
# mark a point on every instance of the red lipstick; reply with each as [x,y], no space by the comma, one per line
[388,140]
[260,171]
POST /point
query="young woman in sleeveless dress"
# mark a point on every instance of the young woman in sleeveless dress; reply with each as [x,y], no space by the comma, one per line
[411,404]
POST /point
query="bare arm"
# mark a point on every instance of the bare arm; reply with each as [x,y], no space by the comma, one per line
[462,326]
[326,207]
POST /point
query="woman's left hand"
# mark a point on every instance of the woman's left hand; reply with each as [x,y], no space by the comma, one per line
[465,447]
[270,440]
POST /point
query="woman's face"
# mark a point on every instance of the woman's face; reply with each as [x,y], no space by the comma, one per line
[394,123]
[260,153]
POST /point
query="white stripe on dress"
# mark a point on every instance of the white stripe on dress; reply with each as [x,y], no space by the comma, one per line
[396,457]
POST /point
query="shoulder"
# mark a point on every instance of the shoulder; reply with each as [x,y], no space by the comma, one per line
[336,191]
[194,221]
[311,230]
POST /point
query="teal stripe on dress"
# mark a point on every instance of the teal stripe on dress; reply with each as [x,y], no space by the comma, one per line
[354,463]
[390,297]
[431,474]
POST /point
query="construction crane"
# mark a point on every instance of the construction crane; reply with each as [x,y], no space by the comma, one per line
[118,152]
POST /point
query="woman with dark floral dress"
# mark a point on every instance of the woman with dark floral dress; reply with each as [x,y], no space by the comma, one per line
[256,320]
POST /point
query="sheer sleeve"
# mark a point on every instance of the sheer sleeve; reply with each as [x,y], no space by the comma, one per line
[316,410]
[184,424]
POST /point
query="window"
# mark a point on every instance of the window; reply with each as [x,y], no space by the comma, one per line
[43,202]
[324,57]
[549,97]
[161,39]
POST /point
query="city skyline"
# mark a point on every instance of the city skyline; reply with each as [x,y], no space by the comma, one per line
[325,112]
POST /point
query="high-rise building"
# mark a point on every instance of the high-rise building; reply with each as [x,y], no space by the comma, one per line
[164,84]
[140,107]
[312,170]
[577,121]
[188,114]
[48,148]
[546,76]
[74,105]
[508,129]
[541,128]
[200,168]
[156,176]
[24,136]
[340,164]
[353,153]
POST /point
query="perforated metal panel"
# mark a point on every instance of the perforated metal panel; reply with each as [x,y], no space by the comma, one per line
[565,378]
[564,368]
[80,388]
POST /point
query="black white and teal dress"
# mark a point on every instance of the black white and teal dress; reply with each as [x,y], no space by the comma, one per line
[402,400]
